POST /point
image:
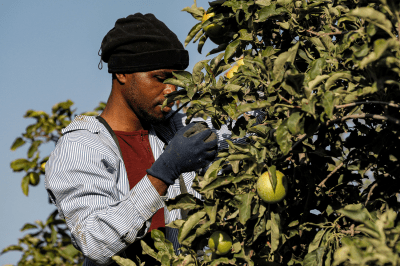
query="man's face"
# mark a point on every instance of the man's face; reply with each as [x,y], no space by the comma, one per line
[145,94]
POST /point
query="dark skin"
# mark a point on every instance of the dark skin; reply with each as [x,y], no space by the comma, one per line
[135,102]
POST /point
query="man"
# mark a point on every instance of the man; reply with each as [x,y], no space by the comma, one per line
[109,176]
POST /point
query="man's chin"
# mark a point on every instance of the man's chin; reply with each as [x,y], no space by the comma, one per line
[151,119]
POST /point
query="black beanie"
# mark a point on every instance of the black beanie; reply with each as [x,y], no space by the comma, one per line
[140,43]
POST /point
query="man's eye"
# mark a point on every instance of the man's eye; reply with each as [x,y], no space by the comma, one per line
[163,78]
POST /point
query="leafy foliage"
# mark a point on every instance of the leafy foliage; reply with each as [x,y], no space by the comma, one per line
[325,74]
[50,244]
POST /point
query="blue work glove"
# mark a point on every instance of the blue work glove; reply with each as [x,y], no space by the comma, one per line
[193,147]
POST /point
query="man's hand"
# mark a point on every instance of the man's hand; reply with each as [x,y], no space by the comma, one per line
[193,147]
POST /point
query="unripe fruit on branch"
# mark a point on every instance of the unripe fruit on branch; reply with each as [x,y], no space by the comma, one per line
[265,190]
[220,242]
[214,31]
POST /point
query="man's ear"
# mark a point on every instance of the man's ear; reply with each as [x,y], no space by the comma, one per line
[122,78]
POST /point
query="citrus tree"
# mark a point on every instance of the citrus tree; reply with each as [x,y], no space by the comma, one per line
[49,242]
[324,77]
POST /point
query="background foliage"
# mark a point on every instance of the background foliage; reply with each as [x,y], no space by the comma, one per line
[48,243]
[326,76]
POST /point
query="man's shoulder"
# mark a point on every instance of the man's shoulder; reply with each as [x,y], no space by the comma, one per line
[84,130]
[83,122]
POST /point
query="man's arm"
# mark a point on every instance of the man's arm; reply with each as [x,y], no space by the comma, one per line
[158,184]
[104,217]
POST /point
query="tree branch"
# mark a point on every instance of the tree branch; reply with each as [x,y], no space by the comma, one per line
[322,184]
[361,116]
[331,33]
[370,193]
[367,102]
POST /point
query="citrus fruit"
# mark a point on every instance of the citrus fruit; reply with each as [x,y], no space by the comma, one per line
[33,179]
[265,190]
[234,69]
[220,242]
[214,31]
[207,16]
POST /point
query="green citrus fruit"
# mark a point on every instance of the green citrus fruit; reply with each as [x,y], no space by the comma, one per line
[34,179]
[220,242]
[265,190]
[214,31]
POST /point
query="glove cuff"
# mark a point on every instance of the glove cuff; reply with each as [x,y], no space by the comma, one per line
[161,171]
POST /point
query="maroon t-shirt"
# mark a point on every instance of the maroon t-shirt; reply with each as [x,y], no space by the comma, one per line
[138,157]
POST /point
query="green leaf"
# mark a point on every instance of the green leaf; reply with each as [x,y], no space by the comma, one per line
[191,222]
[316,81]
[316,68]
[244,206]
[174,81]
[33,148]
[275,232]
[373,16]
[123,262]
[182,201]
[283,138]
[196,28]
[195,11]
[219,182]
[284,58]
[28,226]
[18,142]
[25,185]
[309,105]
[295,124]
[317,240]
[231,49]
[356,212]
[20,164]
[270,11]
[314,258]
[10,248]
[328,102]
[335,77]
[146,249]
[211,209]
[197,74]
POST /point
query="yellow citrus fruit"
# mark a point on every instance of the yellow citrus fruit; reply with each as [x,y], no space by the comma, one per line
[220,242]
[265,190]
[43,166]
[234,69]
[207,16]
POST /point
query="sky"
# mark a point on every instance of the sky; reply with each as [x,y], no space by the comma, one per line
[48,55]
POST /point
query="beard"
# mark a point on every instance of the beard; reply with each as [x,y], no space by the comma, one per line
[148,118]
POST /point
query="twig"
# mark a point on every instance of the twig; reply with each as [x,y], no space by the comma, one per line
[326,34]
[331,33]
[322,184]
[283,98]
[361,116]
[370,193]
[367,102]
[351,231]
